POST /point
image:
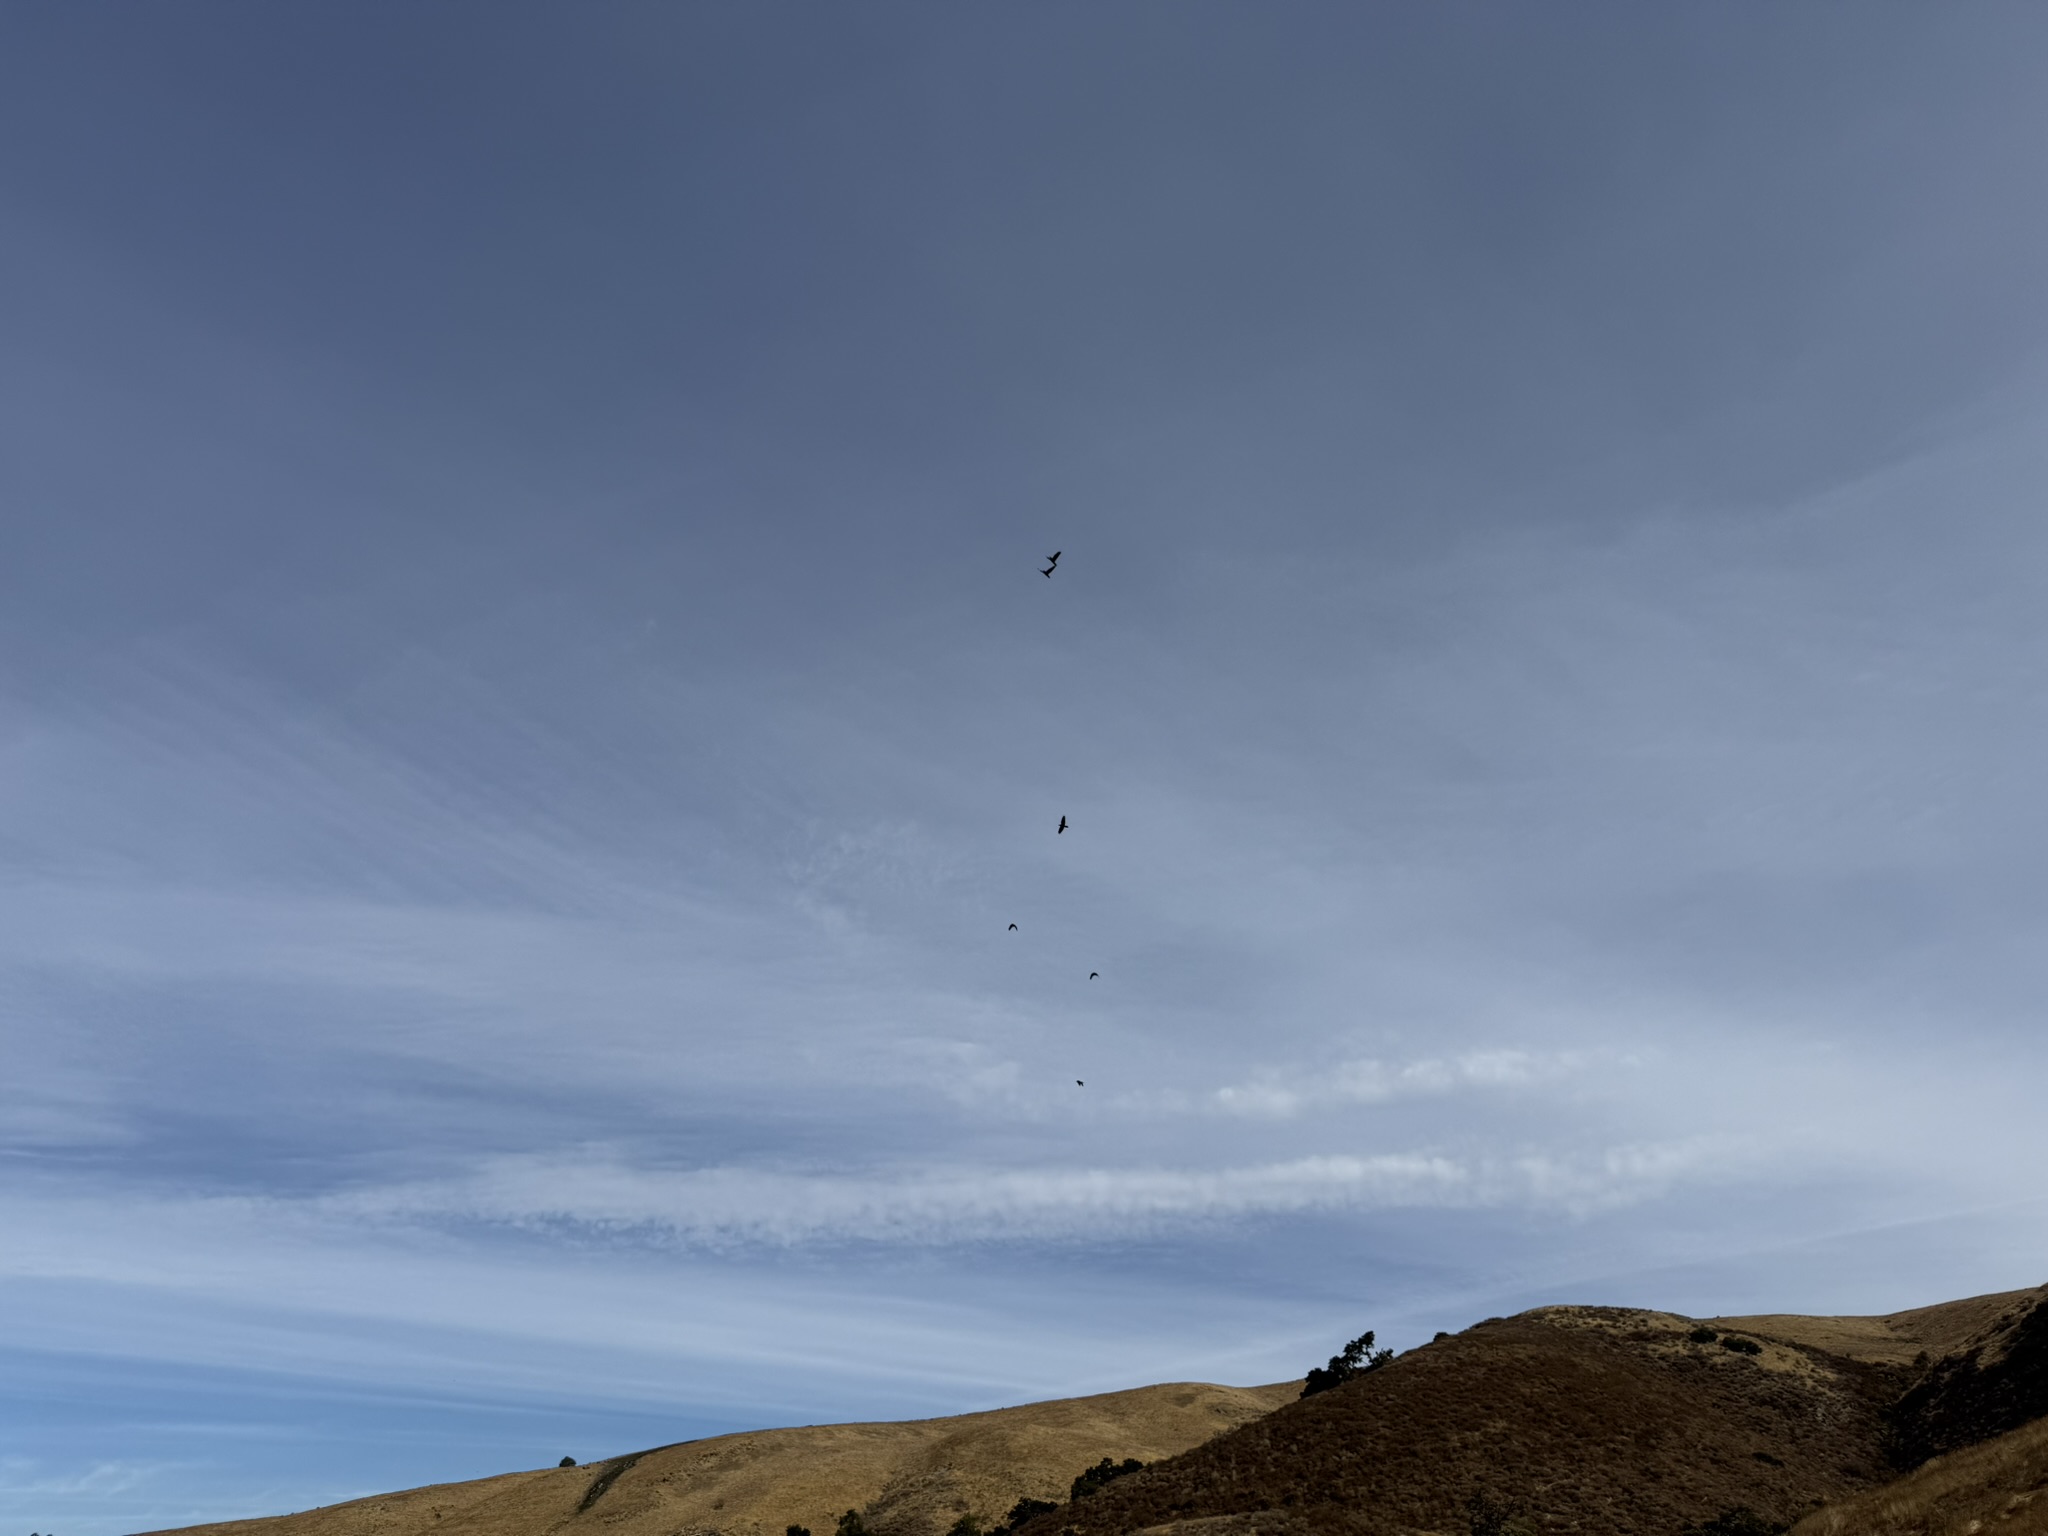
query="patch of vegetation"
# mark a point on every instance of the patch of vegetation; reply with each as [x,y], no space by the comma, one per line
[601,1484]
[966,1525]
[1739,1521]
[1358,1358]
[797,1530]
[1020,1512]
[1703,1335]
[1741,1346]
[1489,1516]
[1104,1471]
[566,1461]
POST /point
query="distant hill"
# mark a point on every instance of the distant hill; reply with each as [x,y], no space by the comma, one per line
[916,1478]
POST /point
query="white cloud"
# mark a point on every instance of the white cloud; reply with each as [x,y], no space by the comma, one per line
[1283,1095]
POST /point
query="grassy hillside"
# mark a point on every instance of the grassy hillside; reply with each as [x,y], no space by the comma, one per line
[918,1476]
[1588,1419]
[1578,1421]
[1999,1488]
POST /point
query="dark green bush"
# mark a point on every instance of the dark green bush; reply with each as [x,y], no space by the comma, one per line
[566,1461]
[1022,1510]
[851,1524]
[1357,1359]
[966,1525]
[1104,1471]
[1741,1346]
[797,1530]
[1703,1336]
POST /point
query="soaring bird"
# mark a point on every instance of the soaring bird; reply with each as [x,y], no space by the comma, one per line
[1050,564]
[1093,974]
[1079,1084]
[1061,827]
[1013,927]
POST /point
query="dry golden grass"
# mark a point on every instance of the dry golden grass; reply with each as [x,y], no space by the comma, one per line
[917,1477]
[1999,1488]
[1896,1339]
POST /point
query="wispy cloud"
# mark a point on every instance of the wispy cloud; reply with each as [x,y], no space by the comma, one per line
[1281,1094]
[718,1207]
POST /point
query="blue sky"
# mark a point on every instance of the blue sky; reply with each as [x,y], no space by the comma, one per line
[527,707]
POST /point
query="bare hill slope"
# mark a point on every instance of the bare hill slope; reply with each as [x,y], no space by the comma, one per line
[919,1476]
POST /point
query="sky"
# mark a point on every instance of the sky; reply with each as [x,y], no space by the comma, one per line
[528,705]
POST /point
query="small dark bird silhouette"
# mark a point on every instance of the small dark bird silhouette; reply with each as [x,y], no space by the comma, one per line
[1079,1084]
[1013,927]
[1093,974]
[1061,827]
[1051,564]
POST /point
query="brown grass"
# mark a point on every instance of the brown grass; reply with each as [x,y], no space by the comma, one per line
[1576,1419]
[1999,1488]
[919,1477]
[1896,1339]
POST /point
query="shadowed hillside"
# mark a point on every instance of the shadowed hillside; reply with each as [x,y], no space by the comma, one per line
[921,1475]
[1581,1419]
[1999,1488]
[1997,1381]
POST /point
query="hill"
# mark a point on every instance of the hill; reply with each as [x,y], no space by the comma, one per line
[1999,1488]
[1578,1421]
[1570,1419]
[916,1477]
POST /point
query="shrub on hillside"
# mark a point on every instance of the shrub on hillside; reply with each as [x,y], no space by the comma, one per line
[851,1524]
[1489,1516]
[1021,1511]
[1703,1335]
[1358,1358]
[1104,1471]
[966,1525]
[1742,1346]
[797,1530]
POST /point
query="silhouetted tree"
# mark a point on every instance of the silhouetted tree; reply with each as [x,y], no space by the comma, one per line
[566,1461]
[797,1530]
[851,1524]
[966,1525]
[1358,1358]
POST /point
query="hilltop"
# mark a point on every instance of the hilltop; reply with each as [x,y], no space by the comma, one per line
[1597,1420]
